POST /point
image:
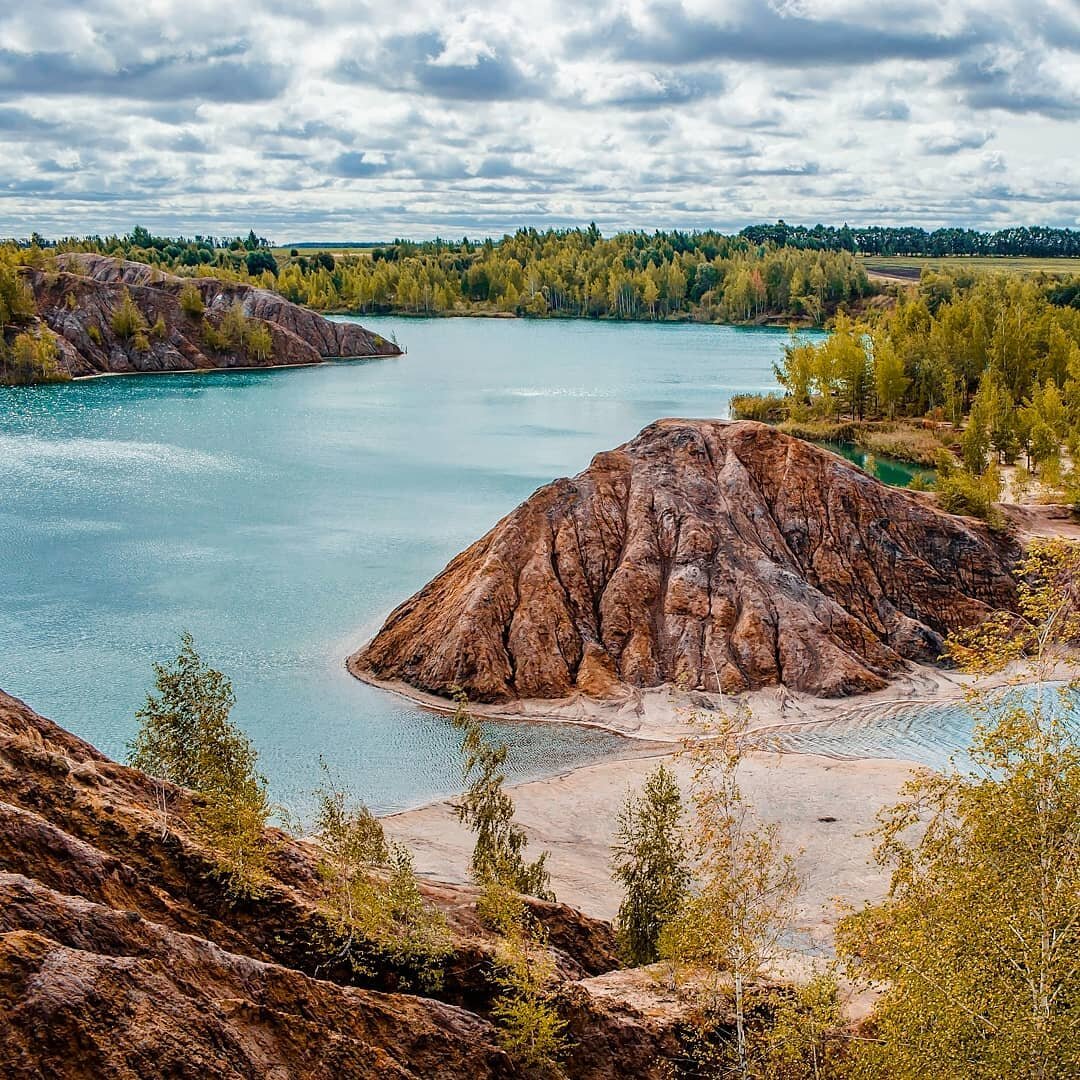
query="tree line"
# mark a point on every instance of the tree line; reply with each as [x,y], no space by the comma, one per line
[988,364]
[1037,241]
[576,273]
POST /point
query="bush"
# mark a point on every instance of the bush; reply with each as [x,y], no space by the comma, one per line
[963,492]
[918,445]
[127,320]
[33,359]
[763,407]
[191,302]
[373,903]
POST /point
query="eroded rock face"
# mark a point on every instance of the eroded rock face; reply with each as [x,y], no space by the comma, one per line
[706,554]
[121,954]
[76,305]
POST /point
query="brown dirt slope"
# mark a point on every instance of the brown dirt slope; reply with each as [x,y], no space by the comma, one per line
[121,954]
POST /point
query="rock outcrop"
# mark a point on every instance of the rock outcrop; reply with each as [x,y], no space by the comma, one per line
[75,301]
[710,555]
[122,955]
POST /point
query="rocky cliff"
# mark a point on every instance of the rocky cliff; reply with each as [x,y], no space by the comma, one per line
[706,554]
[76,299]
[122,954]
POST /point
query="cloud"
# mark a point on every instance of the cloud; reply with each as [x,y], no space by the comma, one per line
[949,141]
[770,35]
[354,165]
[225,75]
[339,119]
[421,63]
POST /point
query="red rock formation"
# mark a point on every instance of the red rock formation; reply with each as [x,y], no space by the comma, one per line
[122,956]
[76,306]
[701,553]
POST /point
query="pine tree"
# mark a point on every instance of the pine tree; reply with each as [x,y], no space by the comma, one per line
[651,863]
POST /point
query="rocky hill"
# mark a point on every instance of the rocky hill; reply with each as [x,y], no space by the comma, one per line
[77,297]
[123,955]
[705,554]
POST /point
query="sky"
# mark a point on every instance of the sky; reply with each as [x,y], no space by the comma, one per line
[339,119]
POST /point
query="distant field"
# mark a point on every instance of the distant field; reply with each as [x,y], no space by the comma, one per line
[282,252]
[908,267]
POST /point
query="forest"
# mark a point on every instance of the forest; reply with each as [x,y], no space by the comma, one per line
[574,273]
[985,365]
[1036,241]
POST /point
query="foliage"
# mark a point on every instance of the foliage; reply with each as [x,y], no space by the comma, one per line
[730,926]
[128,322]
[373,903]
[191,302]
[186,738]
[651,863]
[530,1027]
[793,1033]
[977,944]
[762,407]
[960,491]
[237,332]
[33,358]
[488,811]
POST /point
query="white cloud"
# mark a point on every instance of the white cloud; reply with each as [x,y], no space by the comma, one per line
[335,119]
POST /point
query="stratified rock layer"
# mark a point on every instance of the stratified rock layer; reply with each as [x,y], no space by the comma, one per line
[76,306]
[122,955]
[706,554]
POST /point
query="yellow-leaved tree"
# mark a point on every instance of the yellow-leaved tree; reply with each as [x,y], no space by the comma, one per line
[976,947]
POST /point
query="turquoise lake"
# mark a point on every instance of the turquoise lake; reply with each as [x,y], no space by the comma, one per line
[280,515]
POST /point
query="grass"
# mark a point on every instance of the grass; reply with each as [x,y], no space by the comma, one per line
[912,265]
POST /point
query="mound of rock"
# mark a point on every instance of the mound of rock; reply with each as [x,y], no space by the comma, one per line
[122,954]
[706,554]
[76,303]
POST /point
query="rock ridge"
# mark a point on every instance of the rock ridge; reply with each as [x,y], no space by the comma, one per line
[76,296]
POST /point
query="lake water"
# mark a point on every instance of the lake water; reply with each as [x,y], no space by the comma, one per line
[280,515]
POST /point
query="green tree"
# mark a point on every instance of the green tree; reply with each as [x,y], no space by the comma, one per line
[729,928]
[376,913]
[186,738]
[191,302]
[890,379]
[651,863]
[488,811]
[977,945]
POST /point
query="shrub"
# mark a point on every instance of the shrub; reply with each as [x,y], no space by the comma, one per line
[94,333]
[763,407]
[33,359]
[373,903]
[918,445]
[127,320]
[191,302]
[159,331]
[963,492]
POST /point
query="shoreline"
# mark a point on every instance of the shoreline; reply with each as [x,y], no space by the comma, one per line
[227,369]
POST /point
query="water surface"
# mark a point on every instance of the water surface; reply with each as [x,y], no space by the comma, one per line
[280,515]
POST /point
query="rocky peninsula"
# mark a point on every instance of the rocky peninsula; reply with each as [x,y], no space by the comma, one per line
[705,555]
[77,296]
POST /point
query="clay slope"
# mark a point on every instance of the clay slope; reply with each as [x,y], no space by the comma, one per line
[707,554]
[76,306]
[121,955]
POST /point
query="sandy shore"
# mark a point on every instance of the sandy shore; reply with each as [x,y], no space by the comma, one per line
[573,817]
[824,807]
